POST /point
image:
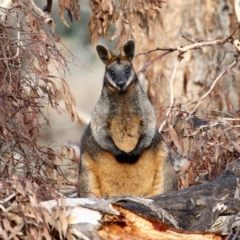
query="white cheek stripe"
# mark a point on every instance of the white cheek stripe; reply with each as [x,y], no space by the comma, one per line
[130,79]
[111,81]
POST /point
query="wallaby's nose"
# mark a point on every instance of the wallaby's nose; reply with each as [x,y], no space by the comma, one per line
[121,83]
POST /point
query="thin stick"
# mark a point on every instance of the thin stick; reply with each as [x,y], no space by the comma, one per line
[171,96]
[148,63]
[211,88]
[45,16]
[193,46]
[196,45]
[18,43]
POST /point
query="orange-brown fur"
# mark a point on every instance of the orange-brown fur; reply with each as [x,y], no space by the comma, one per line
[144,176]
[125,136]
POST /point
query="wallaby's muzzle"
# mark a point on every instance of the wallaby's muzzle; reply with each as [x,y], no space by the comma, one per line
[121,84]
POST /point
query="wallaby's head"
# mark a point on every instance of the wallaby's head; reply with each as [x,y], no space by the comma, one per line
[119,74]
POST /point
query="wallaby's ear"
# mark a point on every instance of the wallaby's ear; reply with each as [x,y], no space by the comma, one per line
[128,50]
[103,53]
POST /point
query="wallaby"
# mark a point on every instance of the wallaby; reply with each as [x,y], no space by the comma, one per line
[122,151]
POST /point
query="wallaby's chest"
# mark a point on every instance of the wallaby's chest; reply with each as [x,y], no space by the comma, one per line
[125,127]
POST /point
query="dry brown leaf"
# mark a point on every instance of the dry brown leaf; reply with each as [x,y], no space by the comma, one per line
[129,18]
[47,218]
[184,176]
[31,212]
[68,152]
[17,229]
[70,102]
[15,217]
[174,136]
[13,231]
[45,234]
[61,11]
[64,223]
[20,188]
[32,22]
[4,234]
[32,233]
[216,147]
[236,145]
[72,7]
[186,146]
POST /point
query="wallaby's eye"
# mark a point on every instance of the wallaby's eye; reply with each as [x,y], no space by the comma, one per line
[112,72]
[127,70]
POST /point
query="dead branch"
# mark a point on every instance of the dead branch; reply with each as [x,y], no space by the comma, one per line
[213,208]
[171,97]
[182,49]
[48,7]
[212,85]
[47,19]
[148,63]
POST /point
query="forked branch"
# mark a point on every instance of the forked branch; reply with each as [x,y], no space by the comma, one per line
[193,46]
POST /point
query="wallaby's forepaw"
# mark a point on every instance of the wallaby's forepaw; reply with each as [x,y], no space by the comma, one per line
[134,155]
[121,156]
[130,157]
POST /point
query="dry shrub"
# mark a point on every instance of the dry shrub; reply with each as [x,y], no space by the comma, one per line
[209,145]
[27,48]
[30,173]
[71,6]
[22,216]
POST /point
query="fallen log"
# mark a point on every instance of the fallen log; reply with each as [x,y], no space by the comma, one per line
[100,219]
[191,213]
[129,225]
[197,207]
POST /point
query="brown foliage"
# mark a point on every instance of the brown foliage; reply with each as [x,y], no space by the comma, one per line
[23,217]
[208,145]
[72,7]
[130,18]
[26,86]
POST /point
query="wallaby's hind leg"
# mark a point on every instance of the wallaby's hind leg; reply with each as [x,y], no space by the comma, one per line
[88,184]
[165,178]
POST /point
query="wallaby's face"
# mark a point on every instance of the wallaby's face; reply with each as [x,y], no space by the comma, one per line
[119,74]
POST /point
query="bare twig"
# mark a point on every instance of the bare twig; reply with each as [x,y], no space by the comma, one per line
[45,16]
[7,198]
[156,49]
[183,36]
[211,87]
[199,45]
[18,44]
[48,7]
[183,49]
[171,96]
[148,63]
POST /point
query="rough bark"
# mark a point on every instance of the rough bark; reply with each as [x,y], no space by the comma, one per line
[186,22]
[197,207]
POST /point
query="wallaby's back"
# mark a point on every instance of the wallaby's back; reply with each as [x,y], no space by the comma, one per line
[122,151]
